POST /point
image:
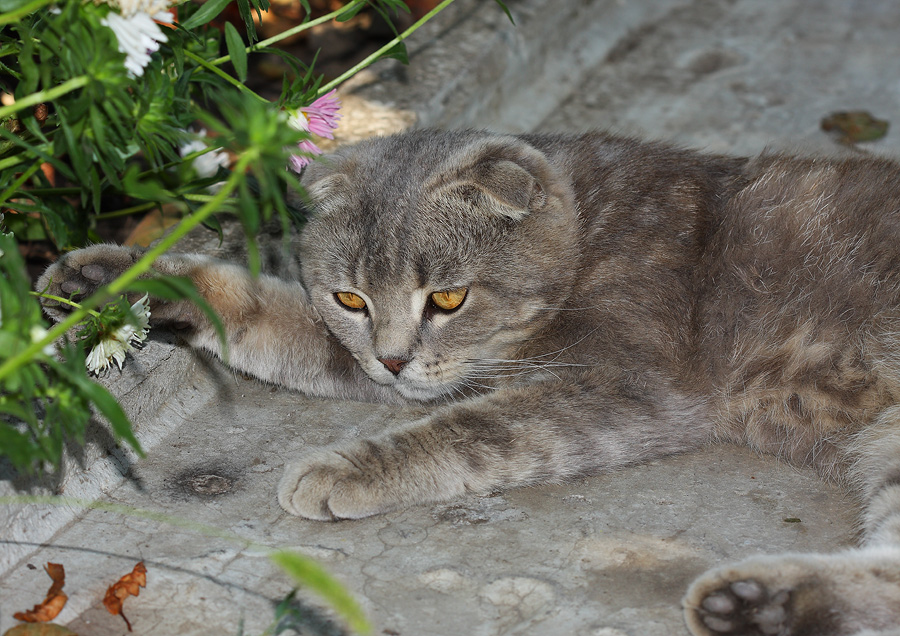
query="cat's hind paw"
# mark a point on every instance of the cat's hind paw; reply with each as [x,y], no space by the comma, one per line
[327,485]
[720,606]
[841,594]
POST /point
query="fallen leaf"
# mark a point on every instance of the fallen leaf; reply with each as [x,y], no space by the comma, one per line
[39,629]
[53,603]
[153,225]
[128,585]
[855,126]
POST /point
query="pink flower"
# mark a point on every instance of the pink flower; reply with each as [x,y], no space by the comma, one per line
[319,118]
[323,114]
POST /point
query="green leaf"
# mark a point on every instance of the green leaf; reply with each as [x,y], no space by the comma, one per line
[7,6]
[27,64]
[33,127]
[398,52]
[95,189]
[383,11]
[39,152]
[309,573]
[73,143]
[396,5]
[14,409]
[165,287]
[505,10]
[108,406]
[209,10]
[177,288]
[178,55]
[147,188]
[19,448]
[236,50]
[344,17]
[213,223]
[246,14]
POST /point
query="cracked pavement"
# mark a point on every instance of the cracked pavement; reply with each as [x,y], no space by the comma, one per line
[607,552]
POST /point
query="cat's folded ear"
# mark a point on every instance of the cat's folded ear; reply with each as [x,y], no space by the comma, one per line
[325,182]
[505,174]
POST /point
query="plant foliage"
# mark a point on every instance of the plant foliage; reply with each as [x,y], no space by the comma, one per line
[90,130]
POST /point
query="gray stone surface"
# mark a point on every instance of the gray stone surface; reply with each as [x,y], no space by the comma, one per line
[740,76]
[606,556]
[609,552]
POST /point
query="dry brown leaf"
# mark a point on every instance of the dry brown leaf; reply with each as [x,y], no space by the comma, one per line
[128,585]
[54,601]
[854,126]
[153,225]
[39,629]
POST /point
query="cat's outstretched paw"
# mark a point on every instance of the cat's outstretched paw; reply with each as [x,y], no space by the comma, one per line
[738,607]
[839,594]
[329,485]
[78,274]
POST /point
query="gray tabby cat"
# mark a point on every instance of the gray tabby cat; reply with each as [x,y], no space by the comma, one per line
[570,305]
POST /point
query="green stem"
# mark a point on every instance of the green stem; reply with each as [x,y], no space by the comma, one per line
[12,161]
[144,264]
[18,182]
[199,198]
[65,301]
[377,54]
[225,76]
[9,162]
[149,205]
[62,192]
[45,96]
[21,12]
[297,29]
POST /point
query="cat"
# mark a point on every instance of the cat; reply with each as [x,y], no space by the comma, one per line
[567,305]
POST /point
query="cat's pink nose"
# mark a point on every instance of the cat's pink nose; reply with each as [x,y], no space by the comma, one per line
[394,365]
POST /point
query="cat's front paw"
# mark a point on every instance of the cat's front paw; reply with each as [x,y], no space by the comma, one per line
[331,484]
[78,274]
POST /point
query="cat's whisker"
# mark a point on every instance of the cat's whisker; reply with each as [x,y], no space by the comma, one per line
[517,364]
[513,367]
[504,369]
[455,389]
[517,367]
[561,350]
[507,372]
[566,308]
[475,387]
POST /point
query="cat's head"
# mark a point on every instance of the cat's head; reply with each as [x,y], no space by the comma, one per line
[430,253]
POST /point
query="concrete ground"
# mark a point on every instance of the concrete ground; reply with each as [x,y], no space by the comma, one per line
[605,556]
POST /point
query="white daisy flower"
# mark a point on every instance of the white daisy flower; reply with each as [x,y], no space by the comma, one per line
[137,33]
[207,164]
[114,347]
[156,8]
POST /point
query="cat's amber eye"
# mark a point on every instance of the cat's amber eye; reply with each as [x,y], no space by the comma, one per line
[449,299]
[350,300]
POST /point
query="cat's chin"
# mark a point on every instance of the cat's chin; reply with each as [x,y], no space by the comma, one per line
[422,393]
